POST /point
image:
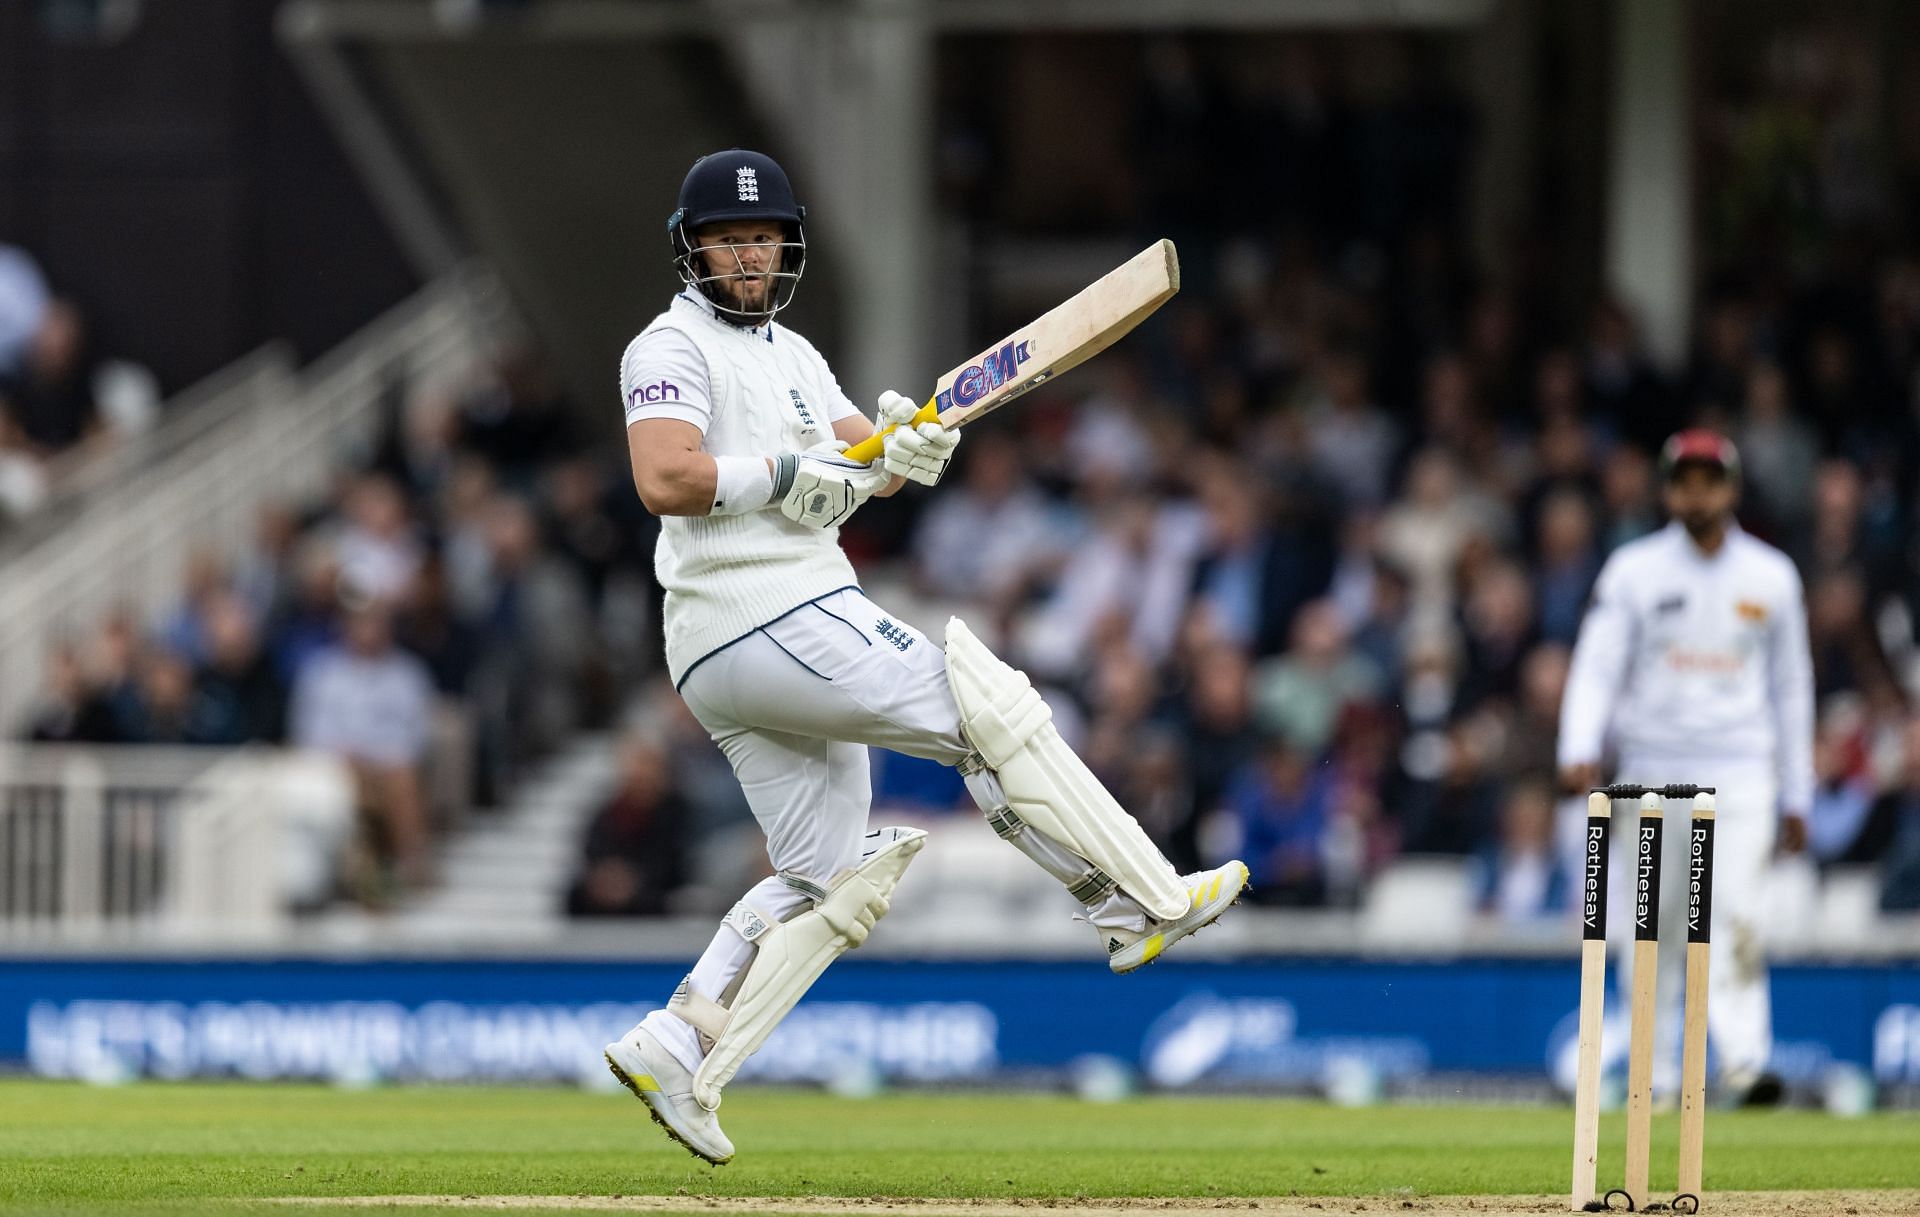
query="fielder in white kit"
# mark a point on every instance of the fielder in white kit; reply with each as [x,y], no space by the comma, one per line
[734,426]
[1693,663]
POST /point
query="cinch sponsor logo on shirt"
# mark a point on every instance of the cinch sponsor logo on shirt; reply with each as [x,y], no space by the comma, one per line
[1750,610]
[666,390]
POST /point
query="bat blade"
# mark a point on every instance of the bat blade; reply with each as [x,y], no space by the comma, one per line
[1060,339]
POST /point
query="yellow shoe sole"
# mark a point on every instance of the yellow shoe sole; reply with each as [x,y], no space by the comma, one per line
[641,1085]
[1153,947]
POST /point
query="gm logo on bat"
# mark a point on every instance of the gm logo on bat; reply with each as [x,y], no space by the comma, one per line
[994,369]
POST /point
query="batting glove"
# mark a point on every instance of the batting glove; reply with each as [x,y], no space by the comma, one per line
[820,488]
[916,453]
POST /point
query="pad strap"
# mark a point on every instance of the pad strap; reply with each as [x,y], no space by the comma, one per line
[789,956]
[805,886]
[1004,718]
[1086,882]
[1005,822]
[1097,886]
[702,1013]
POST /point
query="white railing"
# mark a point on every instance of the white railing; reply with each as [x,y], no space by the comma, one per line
[117,843]
[254,435]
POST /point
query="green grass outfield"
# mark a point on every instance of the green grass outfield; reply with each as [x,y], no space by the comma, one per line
[171,1147]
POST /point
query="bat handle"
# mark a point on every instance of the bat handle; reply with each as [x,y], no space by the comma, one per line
[868,449]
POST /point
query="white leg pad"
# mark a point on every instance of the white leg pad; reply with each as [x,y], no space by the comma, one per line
[791,955]
[1046,785]
[1096,890]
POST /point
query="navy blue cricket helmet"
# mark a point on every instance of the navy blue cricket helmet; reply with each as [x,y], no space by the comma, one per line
[738,185]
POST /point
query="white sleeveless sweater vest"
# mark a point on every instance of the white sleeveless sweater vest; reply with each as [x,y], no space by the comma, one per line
[726,576]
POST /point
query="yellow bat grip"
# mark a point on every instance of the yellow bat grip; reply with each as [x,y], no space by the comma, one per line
[869,449]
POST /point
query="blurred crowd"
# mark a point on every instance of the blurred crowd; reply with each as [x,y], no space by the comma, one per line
[1304,560]
[1322,631]
[1287,616]
[58,391]
[466,597]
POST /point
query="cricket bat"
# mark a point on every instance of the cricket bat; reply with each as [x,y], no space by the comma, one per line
[1068,335]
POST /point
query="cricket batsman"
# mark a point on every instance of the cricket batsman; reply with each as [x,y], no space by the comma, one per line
[1693,664]
[735,427]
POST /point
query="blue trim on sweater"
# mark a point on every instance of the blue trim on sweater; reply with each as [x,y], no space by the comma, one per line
[684,676]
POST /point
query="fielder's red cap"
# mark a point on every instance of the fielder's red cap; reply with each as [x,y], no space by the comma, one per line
[1699,446]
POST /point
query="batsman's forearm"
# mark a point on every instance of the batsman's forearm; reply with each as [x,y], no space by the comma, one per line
[677,484]
[683,484]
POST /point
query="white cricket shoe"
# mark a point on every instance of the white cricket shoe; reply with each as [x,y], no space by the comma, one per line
[1209,892]
[659,1080]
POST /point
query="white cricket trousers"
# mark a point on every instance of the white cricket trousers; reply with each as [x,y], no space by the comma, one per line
[795,705]
[1739,1004]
